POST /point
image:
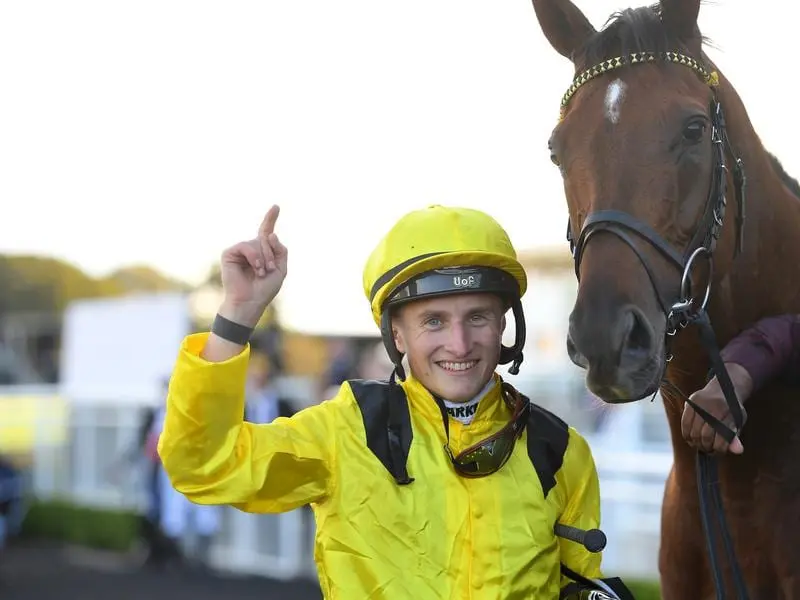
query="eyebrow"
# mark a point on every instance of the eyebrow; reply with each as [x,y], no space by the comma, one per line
[439,314]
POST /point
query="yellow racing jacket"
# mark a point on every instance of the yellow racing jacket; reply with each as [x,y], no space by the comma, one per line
[441,537]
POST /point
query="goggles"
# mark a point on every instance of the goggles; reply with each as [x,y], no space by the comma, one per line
[489,455]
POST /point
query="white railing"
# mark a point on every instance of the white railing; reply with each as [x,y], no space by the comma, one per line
[75,450]
[631,490]
[87,470]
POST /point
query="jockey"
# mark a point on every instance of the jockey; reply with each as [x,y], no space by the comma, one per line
[443,482]
[767,350]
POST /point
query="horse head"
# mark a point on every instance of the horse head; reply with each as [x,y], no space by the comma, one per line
[641,145]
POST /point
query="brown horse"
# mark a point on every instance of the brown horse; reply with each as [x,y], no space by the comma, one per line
[638,141]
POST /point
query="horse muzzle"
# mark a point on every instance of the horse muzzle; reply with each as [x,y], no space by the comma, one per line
[623,354]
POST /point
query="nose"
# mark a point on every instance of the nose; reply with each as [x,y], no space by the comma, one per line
[611,349]
[458,342]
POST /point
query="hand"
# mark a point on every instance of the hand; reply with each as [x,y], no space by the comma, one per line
[701,435]
[253,273]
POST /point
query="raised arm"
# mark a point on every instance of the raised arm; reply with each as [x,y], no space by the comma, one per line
[213,456]
[209,452]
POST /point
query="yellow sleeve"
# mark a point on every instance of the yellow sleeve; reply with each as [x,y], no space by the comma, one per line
[212,456]
[581,493]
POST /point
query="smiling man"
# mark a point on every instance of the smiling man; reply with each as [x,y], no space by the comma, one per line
[441,483]
[451,344]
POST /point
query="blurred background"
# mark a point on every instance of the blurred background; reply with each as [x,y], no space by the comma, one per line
[138,140]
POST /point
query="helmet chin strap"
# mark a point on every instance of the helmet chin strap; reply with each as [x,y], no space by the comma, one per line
[514,353]
[511,354]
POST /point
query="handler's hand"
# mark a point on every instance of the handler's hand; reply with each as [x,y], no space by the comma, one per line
[253,273]
[701,435]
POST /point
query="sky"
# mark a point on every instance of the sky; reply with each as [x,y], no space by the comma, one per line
[160,132]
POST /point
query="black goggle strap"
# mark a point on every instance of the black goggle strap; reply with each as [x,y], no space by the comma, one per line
[446,421]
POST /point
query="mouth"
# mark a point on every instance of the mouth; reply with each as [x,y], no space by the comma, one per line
[457,367]
[632,386]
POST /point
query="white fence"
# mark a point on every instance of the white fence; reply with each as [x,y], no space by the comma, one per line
[82,466]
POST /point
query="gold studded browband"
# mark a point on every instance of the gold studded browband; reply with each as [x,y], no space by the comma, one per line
[709,77]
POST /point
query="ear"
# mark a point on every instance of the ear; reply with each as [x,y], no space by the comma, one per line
[399,342]
[563,24]
[680,17]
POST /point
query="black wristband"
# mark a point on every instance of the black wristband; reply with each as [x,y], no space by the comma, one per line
[231,331]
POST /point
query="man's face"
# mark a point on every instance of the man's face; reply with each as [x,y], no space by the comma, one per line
[452,343]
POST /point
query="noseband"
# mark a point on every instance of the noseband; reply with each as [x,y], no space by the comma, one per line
[685,309]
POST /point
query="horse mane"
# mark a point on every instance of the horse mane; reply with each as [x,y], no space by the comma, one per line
[789,181]
[633,30]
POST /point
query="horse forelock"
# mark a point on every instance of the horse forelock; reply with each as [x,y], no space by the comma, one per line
[632,30]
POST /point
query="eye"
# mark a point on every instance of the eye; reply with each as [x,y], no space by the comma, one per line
[694,132]
[433,323]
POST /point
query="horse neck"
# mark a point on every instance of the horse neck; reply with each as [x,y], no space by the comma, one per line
[764,280]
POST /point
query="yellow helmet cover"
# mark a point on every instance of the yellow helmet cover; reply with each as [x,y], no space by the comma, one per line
[437,237]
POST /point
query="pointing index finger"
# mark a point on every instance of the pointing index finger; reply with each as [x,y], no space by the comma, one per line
[268,224]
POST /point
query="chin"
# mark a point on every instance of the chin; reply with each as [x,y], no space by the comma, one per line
[457,391]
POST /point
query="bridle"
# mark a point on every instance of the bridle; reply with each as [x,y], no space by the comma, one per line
[685,310]
[703,243]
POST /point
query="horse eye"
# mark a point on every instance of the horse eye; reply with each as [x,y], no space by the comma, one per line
[693,132]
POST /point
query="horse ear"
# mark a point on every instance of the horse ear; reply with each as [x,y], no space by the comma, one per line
[680,17]
[563,24]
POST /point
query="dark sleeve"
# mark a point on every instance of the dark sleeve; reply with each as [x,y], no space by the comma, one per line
[769,348]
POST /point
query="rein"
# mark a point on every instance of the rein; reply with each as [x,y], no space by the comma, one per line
[685,310]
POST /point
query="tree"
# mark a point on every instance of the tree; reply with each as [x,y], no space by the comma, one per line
[36,283]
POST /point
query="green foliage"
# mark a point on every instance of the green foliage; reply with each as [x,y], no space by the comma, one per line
[35,283]
[142,278]
[82,526]
[644,590]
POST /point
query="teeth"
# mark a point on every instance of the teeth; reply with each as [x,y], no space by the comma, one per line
[458,366]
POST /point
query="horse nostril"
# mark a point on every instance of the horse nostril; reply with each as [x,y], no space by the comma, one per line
[639,338]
